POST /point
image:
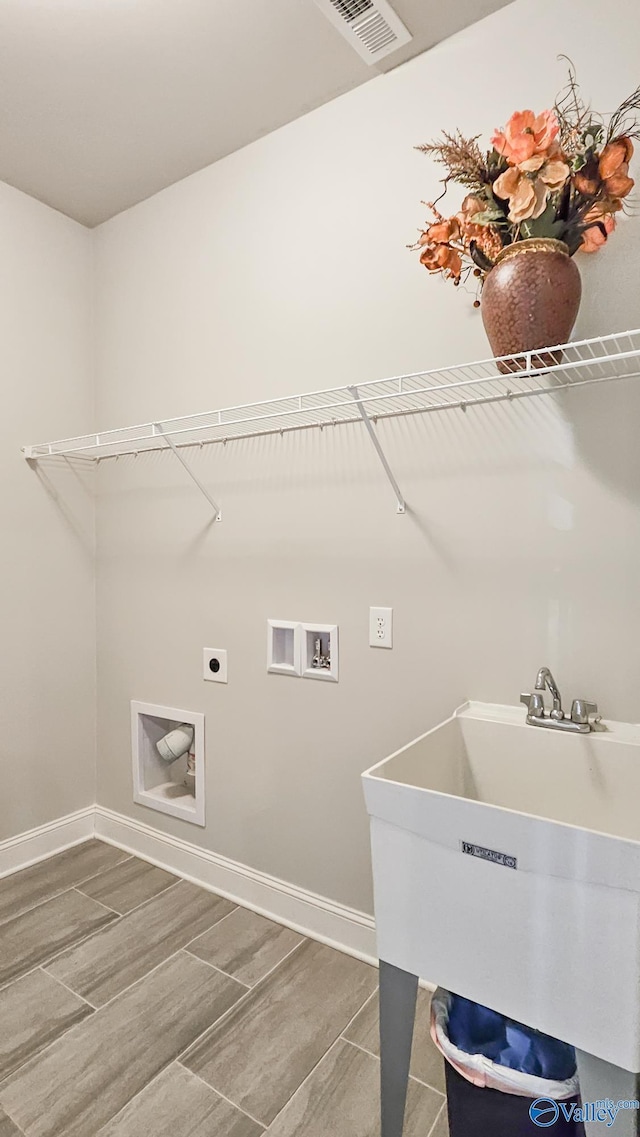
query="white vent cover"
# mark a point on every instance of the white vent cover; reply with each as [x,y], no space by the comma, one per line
[371,26]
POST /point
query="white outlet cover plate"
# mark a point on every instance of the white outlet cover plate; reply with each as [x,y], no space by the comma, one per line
[208,655]
[381,627]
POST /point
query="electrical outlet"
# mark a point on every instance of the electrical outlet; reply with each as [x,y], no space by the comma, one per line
[381,627]
[214,663]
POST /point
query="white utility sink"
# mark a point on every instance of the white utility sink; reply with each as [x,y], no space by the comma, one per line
[507,869]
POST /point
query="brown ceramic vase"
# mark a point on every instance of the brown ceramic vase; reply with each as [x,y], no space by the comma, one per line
[530,300]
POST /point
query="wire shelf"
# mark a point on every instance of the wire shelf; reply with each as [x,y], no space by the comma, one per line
[509,378]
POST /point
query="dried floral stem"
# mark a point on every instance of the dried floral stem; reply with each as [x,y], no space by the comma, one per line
[624,120]
[461,157]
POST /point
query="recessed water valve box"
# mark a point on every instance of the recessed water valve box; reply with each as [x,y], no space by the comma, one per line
[174,786]
[320,652]
[283,647]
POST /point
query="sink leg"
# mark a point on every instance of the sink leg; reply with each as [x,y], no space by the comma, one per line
[398,993]
[600,1080]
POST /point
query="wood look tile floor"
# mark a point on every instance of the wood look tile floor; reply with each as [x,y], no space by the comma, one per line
[135,1004]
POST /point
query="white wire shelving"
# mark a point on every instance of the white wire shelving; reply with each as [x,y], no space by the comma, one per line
[566,366]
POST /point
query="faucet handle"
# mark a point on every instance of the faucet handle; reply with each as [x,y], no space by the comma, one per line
[581,709]
[534,704]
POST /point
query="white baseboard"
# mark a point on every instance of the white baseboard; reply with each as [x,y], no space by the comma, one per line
[315,916]
[334,924]
[27,848]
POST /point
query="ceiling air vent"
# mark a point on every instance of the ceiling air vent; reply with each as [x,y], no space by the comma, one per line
[371,26]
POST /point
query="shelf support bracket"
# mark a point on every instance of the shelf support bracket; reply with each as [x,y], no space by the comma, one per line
[168,439]
[401,508]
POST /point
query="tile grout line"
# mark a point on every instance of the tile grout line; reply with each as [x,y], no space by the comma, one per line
[219,970]
[39,904]
[249,986]
[101,872]
[149,900]
[76,888]
[32,907]
[172,1062]
[422,1082]
[441,1113]
[304,1081]
[354,1017]
[161,892]
[248,992]
[220,1095]
[221,921]
[37,1053]
[130,985]
[143,904]
[276,965]
[74,993]
[57,892]
[335,1042]
[373,995]
[78,943]
[112,924]
[70,947]
[151,970]
[101,904]
[44,963]
[126,1105]
[122,915]
[167,888]
[96,1010]
[377,1056]
[16,979]
[412,1077]
[14,1123]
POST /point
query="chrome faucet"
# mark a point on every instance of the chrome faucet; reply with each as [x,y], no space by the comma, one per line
[545,679]
[584,715]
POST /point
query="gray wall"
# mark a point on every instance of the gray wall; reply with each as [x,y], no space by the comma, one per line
[47,661]
[283,268]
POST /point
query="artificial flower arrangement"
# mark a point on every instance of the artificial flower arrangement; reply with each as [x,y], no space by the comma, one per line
[561,174]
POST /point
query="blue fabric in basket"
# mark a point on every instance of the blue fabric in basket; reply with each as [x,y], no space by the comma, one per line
[477,1030]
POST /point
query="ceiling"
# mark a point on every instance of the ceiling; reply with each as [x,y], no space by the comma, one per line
[105,102]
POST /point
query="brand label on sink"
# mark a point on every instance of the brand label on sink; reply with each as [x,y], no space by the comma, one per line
[489,855]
